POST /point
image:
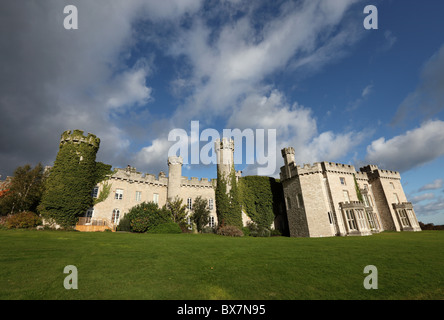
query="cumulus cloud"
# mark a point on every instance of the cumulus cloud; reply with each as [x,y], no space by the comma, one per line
[406,151]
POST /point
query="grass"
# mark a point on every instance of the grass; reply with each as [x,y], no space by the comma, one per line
[206,266]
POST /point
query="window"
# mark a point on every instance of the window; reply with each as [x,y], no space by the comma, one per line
[89,214]
[119,194]
[393,186]
[350,220]
[370,201]
[346,196]
[342,181]
[403,217]
[300,200]
[371,221]
[288,203]
[329,218]
[115,216]
[210,204]
[189,204]
[396,198]
[138,195]
[361,219]
[211,223]
[95,192]
[156,198]
[364,196]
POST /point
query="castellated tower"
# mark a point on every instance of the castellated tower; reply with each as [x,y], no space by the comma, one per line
[174,176]
[225,159]
[68,188]
[288,155]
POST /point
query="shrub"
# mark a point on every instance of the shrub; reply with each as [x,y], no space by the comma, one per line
[147,215]
[258,231]
[166,228]
[124,224]
[25,219]
[208,230]
[231,231]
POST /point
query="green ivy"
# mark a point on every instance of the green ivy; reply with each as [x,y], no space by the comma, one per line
[68,188]
[261,198]
[358,191]
[228,207]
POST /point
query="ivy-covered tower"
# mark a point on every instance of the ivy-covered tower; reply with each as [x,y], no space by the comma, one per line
[68,188]
[228,207]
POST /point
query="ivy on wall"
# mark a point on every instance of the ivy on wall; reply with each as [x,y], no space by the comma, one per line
[67,193]
[228,207]
[358,191]
[261,198]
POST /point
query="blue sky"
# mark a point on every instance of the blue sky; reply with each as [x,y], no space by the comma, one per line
[135,70]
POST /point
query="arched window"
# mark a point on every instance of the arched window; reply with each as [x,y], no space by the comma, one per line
[115,216]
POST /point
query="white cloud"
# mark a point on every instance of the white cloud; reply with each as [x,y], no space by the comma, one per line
[295,126]
[129,89]
[233,62]
[411,149]
[422,197]
[437,184]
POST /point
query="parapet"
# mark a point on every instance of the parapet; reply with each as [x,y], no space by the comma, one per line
[225,143]
[339,167]
[374,172]
[131,175]
[196,183]
[308,169]
[77,137]
[285,151]
[175,160]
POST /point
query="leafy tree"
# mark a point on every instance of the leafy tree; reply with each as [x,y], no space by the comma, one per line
[25,190]
[201,213]
[178,212]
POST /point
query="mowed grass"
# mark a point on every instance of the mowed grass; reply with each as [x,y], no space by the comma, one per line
[207,266]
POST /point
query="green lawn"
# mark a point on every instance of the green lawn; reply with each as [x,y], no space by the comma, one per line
[194,266]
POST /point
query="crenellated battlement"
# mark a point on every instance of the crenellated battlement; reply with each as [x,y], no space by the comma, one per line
[339,167]
[196,183]
[225,143]
[77,137]
[131,175]
[373,172]
[308,168]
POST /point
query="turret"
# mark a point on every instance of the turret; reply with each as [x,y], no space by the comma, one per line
[174,176]
[288,155]
[225,159]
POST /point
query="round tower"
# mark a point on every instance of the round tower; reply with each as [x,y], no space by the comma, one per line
[174,176]
[224,153]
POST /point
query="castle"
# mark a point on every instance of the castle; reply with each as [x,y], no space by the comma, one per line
[129,188]
[321,200]
[330,199]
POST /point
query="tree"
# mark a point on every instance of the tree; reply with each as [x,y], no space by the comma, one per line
[25,190]
[201,213]
[178,212]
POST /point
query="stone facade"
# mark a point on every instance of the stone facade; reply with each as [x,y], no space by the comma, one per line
[323,200]
[129,188]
